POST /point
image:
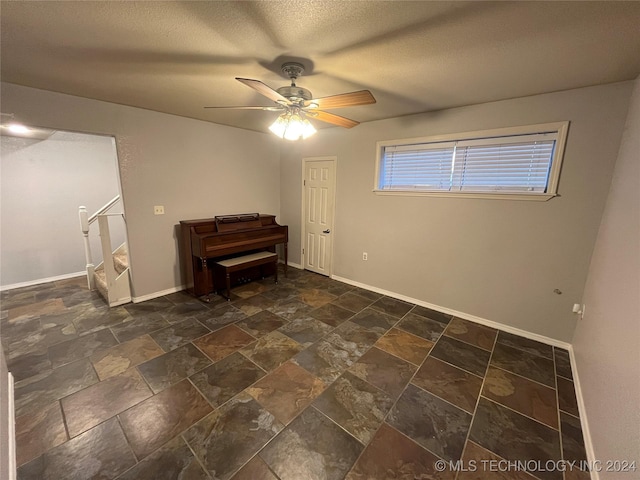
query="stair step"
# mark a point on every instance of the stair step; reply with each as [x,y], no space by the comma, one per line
[101,283]
[121,260]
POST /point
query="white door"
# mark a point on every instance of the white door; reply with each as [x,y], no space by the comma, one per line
[319,200]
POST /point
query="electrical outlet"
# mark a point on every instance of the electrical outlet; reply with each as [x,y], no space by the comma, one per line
[365,256]
[158,210]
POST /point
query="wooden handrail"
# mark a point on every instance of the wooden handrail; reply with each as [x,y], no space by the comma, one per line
[106,207]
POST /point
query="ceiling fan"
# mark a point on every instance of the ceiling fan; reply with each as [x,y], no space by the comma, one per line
[298,105]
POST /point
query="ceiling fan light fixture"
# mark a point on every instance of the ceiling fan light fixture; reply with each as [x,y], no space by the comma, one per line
[307,129]
[292,126]
[279,126]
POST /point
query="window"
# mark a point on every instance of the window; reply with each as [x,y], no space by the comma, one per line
[517,163]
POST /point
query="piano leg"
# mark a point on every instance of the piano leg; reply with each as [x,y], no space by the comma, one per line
[286,255]
[205,272]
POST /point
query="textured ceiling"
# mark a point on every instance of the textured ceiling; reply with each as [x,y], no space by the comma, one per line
[177,57]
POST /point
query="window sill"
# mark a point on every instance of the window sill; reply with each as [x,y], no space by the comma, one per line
[541,197]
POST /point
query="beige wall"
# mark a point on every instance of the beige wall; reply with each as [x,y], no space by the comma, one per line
[607,340]
[495,259]
[195,169]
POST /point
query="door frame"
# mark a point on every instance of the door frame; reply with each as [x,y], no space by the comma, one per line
[303,230]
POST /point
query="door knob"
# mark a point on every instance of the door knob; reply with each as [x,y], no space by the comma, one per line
[326,231]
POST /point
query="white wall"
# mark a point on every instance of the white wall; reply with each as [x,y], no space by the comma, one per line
[42,184]
[495,259]
[6,429]
[607,340]
[194,169]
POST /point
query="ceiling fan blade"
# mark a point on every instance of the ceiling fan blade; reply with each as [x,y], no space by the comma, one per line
[268,109]
[362,97]
[334,119]
[265,90]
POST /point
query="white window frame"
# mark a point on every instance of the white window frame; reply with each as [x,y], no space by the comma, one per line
[559,128]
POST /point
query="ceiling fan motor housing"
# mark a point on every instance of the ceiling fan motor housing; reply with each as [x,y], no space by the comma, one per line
[295,93]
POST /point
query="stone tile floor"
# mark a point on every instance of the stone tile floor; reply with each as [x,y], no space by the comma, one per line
[308,379]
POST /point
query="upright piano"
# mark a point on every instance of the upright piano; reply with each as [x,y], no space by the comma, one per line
[205,241]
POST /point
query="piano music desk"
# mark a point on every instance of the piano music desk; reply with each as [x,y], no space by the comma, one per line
[237,264]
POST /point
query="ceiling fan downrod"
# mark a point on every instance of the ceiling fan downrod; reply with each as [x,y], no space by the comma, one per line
[292,70]
[294,93]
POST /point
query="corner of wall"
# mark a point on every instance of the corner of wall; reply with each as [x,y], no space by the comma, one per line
[606,342]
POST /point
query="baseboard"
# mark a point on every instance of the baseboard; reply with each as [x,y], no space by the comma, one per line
[42,280]
[151,296]
[456,313]
[179,288]
[122,301]
[12,427]
[463,315]
[292,264]
[582,410]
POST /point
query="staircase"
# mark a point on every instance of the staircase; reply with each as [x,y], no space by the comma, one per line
[121,267]
[111,277]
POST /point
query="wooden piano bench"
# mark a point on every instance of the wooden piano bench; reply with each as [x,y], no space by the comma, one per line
[246,261]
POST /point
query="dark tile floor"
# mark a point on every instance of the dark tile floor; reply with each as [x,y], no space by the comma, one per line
[309,379]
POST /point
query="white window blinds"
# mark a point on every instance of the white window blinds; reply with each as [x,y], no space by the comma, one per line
[517,163]
[425,167]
